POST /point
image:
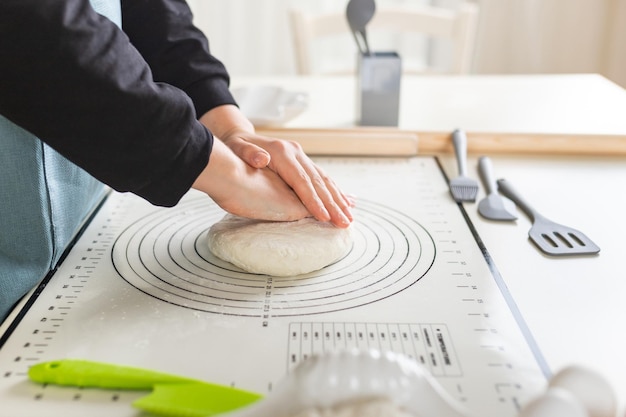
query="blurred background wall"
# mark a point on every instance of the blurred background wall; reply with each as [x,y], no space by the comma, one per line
[252,37]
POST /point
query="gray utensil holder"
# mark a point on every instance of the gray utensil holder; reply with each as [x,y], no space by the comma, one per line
[378,88]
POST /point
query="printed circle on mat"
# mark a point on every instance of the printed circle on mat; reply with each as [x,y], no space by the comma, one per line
[165,255]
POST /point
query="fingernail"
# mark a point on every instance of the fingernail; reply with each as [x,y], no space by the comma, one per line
[348,214]
[260,159]
[345,220]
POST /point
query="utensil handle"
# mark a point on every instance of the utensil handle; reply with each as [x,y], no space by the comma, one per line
[358,42]
[507,190]
[80,373]
[485,169]
[365,42]
[460,149]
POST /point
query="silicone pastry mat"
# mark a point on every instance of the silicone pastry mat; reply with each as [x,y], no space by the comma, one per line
[140,288]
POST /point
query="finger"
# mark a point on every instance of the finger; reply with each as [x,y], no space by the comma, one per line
[343,200]
[319,194]
[333,199]
[350,199]
[253,155]
[304,187]
[286,164]
[316,190]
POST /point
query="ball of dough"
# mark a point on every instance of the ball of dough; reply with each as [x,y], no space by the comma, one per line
[278,248]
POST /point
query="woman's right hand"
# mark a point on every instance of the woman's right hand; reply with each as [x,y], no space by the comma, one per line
[245,191]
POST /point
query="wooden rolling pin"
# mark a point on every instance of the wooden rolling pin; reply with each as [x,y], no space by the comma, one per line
[391,141]
[365,141]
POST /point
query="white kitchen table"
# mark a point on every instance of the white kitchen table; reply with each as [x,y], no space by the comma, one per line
[561,141]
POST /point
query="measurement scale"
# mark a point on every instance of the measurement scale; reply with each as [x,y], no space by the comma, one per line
[141,288]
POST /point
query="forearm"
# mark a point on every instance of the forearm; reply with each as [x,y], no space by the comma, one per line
[224,120]
[71,77]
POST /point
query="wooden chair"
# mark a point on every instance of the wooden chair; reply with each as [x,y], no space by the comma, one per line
[455,28]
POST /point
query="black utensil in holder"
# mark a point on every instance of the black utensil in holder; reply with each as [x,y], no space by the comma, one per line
[378,88]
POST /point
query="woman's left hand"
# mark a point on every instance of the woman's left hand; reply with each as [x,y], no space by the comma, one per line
[317,191]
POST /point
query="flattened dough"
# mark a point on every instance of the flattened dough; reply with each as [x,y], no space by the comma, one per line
[278,248]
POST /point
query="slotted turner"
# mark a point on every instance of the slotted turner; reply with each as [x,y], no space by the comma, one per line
[552,238]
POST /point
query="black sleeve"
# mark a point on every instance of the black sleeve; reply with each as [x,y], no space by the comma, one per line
[176,51]
[72,78]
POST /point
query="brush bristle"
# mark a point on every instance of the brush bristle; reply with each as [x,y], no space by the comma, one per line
[464,189]
[464,193]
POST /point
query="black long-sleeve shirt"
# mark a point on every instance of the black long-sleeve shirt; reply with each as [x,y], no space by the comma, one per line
[120,104]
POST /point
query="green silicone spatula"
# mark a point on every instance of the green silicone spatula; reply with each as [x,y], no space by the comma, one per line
[171,395]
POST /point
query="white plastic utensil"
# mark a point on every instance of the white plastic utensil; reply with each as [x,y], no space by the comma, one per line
[556,402]
[324,381]
[590,388]
[349,376]
[574,391]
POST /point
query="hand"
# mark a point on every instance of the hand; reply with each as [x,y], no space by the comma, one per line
[320,195]
[246,191]
[317,191]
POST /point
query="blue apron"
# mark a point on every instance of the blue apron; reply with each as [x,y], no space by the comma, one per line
[44,198]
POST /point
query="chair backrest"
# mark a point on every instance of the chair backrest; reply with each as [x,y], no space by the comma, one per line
[454,28]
